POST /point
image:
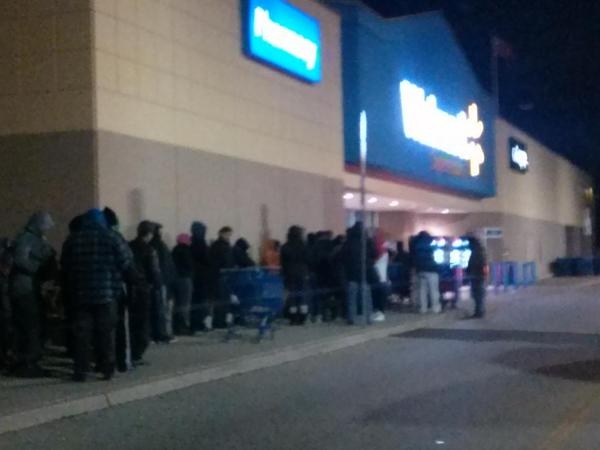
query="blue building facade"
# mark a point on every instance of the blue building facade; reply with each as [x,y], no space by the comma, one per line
[429,120]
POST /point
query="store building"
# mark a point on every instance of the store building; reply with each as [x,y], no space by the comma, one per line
[223,111]
[246,113]
[438,157]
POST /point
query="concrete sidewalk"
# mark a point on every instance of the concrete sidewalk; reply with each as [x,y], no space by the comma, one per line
[192,360]
[25,403]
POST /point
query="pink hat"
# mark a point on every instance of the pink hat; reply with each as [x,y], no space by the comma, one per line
[184,239]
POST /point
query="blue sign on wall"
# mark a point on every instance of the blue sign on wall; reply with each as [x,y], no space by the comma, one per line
[281,35]
[430,121]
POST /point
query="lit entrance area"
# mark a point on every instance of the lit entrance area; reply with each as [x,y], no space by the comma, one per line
[400,218]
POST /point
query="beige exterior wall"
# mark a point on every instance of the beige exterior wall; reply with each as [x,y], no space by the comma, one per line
[174,72]
[46,113]
[45,66]
[190,129]
[552,190]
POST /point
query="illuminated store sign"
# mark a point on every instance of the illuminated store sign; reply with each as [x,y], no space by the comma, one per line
[285,37]
[457,135]
[518,156]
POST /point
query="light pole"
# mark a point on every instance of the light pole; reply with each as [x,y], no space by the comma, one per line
[363,212]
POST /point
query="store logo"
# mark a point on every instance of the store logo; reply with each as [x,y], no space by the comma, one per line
[457,135]
[284,36]
[519,158]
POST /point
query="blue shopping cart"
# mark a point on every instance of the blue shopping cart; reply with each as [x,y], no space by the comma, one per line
[257,298]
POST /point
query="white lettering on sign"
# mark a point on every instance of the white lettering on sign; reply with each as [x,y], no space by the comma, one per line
[284,39]
[519,157]
[457,135]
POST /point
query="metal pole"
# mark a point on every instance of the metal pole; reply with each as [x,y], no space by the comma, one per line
[363,212]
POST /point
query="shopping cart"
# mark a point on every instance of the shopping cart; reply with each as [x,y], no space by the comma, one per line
[257,298]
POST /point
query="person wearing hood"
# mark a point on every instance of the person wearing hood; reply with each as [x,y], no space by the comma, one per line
[74,227]
[428,279]
[32,253]
[240,254]
[95,262]
[162,307]
[184,267]
[295,272]
[200,277]
[221,258]
[147,278]
[123,350]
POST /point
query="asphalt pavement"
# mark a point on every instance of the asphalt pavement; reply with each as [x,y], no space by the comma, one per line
[526,377]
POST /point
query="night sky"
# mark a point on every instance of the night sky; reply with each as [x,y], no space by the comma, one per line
[550,86]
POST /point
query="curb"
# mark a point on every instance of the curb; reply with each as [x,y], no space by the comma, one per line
[39,416]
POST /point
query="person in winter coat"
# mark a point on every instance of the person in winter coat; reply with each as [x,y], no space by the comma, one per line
[123,356]
[184,267]
[295,272]
[147,278]
[351,257]
[477,272]
[240,254]
[95,262]
[162,306]
[221,258]
[31,252]
[428,279]
[200,314]
[402,259]
[323,299]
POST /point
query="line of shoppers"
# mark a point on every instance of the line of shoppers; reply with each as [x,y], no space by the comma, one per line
[118,296]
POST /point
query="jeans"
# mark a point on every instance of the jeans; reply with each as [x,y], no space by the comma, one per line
[478,294]
[95,324]
[429,291]
[380,294]
[358,304]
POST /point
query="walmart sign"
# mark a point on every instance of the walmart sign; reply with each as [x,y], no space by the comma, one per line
[281,35]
